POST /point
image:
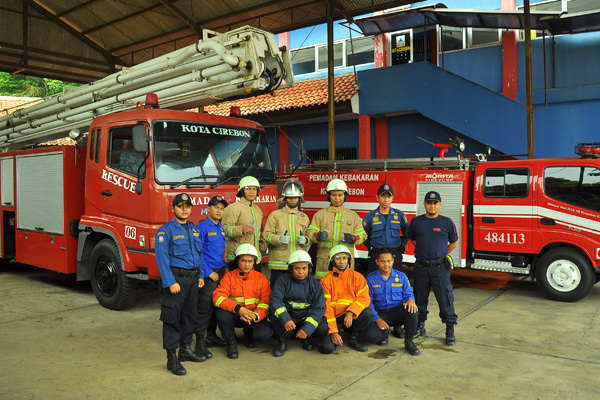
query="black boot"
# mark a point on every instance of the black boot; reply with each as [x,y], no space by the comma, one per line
[385,341]
[355,344]
[186,354]
[411,347]
[232,351]
[399,332]
[307,344]
[212,340]
[173,363]
[281,346]
[450,338]
[249,338]
[420,330]
[201,349]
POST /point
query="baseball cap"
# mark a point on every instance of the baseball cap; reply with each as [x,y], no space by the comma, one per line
[430,196]
[385,188]
[217,199]
[182,198]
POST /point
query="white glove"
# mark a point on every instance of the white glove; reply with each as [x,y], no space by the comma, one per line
[283,239]
[302,240]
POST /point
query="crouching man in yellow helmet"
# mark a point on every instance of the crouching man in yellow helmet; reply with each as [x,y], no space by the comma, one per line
[335,225]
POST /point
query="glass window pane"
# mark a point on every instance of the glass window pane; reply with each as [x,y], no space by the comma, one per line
[484,36]
[452,38]
[506,183]
[338,56]
[360,51]
[303,61]
[122,156]
[579,186]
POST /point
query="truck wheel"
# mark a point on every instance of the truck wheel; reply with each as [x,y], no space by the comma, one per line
[110,284]
[564,274]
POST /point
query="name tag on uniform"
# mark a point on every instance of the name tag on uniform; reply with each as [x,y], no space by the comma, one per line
[397,284]
[178,237]
[376,285]
[212,233]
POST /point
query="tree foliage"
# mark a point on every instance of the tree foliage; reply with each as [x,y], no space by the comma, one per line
[29,86]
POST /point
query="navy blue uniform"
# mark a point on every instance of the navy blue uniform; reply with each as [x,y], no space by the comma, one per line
[212,237]
[432,236]
[179,257]
[388,297]
[300,301]
[389,231]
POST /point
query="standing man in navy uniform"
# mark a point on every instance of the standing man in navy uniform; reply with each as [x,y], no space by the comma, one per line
[434,237]
[212,237]
[179,257]
[392,302]
[387,227]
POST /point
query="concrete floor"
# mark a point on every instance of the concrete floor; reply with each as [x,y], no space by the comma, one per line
[57,342]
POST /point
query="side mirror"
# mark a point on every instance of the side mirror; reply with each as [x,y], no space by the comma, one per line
[140,139]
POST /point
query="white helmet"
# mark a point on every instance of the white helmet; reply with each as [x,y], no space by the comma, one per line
[246,249]
[337,184]
[299,256]
[337,250]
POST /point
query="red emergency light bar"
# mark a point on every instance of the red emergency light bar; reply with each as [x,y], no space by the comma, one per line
[587,149]
[235,111]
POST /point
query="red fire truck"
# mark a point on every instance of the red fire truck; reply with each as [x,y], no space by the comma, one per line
[539,217]
[93,209]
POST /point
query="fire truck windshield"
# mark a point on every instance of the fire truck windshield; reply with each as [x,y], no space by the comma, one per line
[198,154]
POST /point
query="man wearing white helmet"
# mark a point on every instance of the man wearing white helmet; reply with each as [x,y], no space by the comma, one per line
[335,225]
[346,304]
[286,229]
[242,298]
[242,220]
[297,304]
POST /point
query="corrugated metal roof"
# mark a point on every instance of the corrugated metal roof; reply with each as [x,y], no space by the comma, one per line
[82,41]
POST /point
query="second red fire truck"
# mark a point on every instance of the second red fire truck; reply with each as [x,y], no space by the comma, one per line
[538,217]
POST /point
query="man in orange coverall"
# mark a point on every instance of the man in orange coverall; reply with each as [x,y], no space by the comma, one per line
[346,303]
[242,299]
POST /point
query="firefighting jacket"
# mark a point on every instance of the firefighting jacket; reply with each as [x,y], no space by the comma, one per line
[235,216]
[293,223]
[336,220]
[292,299]
[249,290]
[344,291]
[388,293]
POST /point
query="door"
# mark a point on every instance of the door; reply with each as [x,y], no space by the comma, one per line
[503,211]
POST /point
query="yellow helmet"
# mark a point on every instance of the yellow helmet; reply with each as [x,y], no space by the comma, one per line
[245,182]
[339,249]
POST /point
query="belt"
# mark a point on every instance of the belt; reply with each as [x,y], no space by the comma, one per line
[431,263]
[182,272]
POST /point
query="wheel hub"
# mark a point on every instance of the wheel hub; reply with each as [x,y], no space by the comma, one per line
[563,275]
[106,276]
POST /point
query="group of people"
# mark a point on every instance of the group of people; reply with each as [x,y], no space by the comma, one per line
[211,274]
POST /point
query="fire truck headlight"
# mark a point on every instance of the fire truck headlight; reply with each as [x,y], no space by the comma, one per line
[151,242]
[142,241]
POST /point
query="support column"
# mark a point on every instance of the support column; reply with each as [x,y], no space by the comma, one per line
[364,137]
[381,138]
[509,56]
[434,47]
[380,47]
[284,145]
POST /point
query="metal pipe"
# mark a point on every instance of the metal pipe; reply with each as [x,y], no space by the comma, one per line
[330,80]
[528,79]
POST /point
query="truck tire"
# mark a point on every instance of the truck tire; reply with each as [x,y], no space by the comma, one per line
[110,284]
[564,274]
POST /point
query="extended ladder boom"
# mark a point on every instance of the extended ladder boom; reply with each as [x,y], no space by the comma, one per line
[242,62]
